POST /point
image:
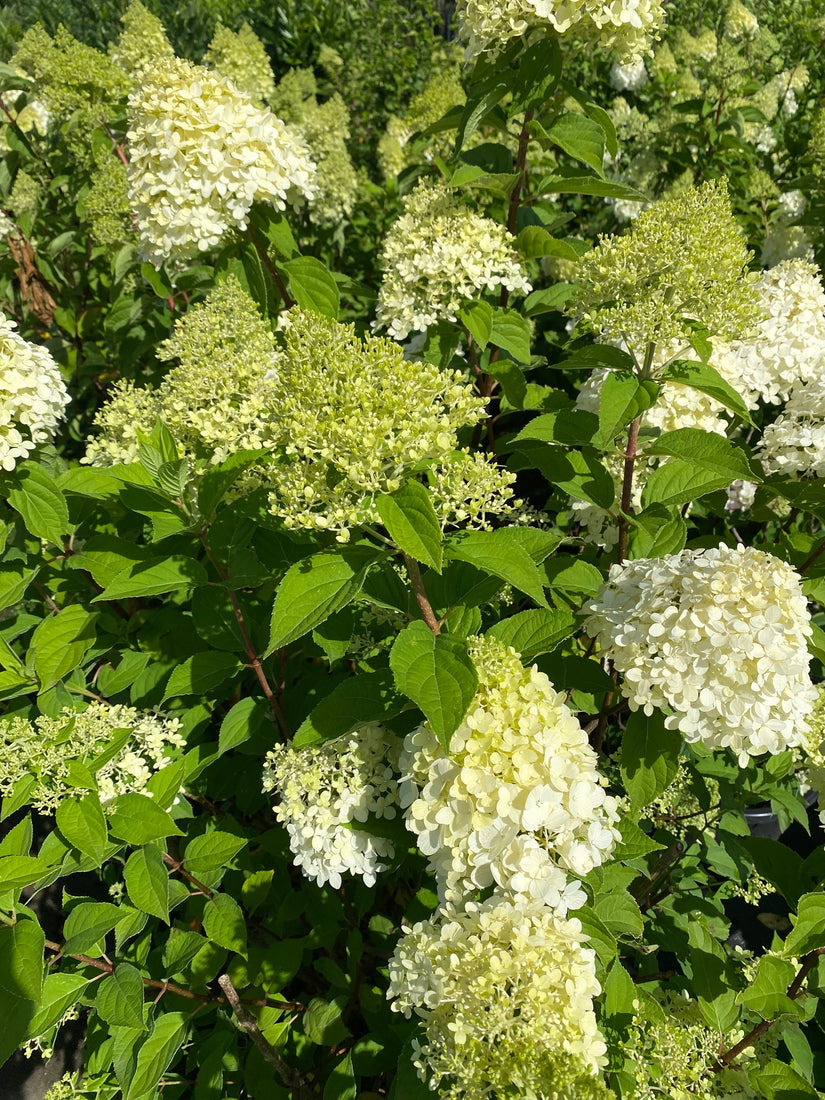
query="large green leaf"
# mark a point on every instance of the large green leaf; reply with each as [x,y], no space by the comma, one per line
[368,697]
[701,376]
[119,998]
[82,823]
[156,1055]
[531,633]
[137,819]
[650,757]
[315,588]
[21,981]
[224,924]
[60,643]
[201,674]
[154,577]
[40,502]
[502,554]
[702,463]
[436,672]
[412,524]
[581,138]
[312,285]
[147,882]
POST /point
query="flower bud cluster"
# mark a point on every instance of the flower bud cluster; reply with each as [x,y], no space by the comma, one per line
[716,637]
[438,256]
[241,57]
[324,792]
[200,154]
[47,750]
[518,802]
[624,25]
[505,991]
[142,43]
[33,396]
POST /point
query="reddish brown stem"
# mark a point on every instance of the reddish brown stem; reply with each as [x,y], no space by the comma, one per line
[260,248]
[426,608]
[247,1021]
[793,991]
[177,865]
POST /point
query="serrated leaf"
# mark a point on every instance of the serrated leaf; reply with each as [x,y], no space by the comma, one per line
[766,995]
[368,697]
[618,405]
[137,819]
[240,723]
[224,924]
[410,519]
[650,757]
[180,949]
[201,674]
[60,992]
[40,503]
[211,851]
[477,318]
[60,643]
[701,376]
[312,285]
[341,1083]
[581,138]
[87,924]
[808,932]
[113,680]
[531,633]
[21,981]
[156,1054]
[436,672]
[82,823]
[500,553]
[598,355]
[119,998]
[589,185]
[322,1021]
[154,577]
[580,474]
[19,871]
[511,332]
[712,979]
[778,1081]
[147,882]
[475,110]
[537,75]
[315,588]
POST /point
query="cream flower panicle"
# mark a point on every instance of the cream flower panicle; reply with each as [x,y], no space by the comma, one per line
[325,791]
[794,443]
[241,56]
[518,803]
[788,343]
[142,42]
[717,638]
[438,256]
[504,990]
[624,25]
[200,154]
[33,396]
[45,750]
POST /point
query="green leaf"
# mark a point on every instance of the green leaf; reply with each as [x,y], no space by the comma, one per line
[409,517]
[618,405]
[137,819]
[21,981]
[241,722]
[711,979]
[511,332]
[15,578]
[156,1054]
[147,882]
[180,949]
[598,355]
[549,299]
[778,1081]
[537,75]
[650,757]
[157,280]
[589,185]
[502,554]
[477,318]
[154,577]
[566,426]
[808,932]
[776,862]
[113,680]
[531,633]
[220,478]
[510,376]
[60,643]
[619,992]
[599,115]
[315,588]
[60,992]
[567,574]
[119,998]
[201,674]
[258,279]
[368,697]
[322,1021]
[87,924]
[581,138]
[579,474]
[705,450]
[82,823]
[312,286]
[224,924]
[436,672]
[477,107]
[19,871]
[341,1083]
[41,504]
[701,376]
[211,851]
[767,993]
[660,531]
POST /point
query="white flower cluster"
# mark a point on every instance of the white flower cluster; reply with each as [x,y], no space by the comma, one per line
[437,256]
[741,495]
[788,345]
[32,395]
[624,25]
[795,442]
[717,637]
[518,803]
[45,749]
[325,791]
[200,154]
[740,22]
[505,991]
[628,75]
[810,756]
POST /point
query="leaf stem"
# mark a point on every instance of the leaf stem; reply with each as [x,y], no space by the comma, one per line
[426,608]
[266,260]
[627,485]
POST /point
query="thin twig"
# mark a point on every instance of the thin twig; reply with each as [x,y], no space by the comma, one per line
[250,1025]
[266,260]
[177,865]
[627,485]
